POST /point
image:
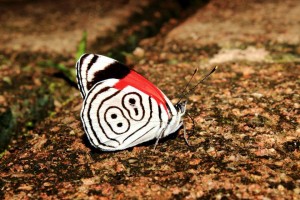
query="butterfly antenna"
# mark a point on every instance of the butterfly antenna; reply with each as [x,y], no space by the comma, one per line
[181,97]
[203,79]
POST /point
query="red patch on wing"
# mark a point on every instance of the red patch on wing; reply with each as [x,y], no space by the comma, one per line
[139,82]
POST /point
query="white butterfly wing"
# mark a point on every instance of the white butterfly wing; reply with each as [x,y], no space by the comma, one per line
[117,119]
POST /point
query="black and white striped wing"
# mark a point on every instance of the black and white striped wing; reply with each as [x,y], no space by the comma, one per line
[121,108]
[118,119]
[92,68]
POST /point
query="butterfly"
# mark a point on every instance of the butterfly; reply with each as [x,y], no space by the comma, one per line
[121,108]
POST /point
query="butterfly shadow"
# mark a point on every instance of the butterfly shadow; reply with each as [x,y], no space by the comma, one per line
[97,151]
[150,143]
[172,136]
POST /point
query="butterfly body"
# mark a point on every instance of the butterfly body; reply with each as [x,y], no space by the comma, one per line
[121,108]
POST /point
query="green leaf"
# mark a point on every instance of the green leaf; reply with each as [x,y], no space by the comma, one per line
[81,49]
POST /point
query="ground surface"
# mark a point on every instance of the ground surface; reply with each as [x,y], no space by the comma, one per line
[246,139]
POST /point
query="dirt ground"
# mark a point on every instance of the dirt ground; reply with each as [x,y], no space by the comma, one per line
[246,140]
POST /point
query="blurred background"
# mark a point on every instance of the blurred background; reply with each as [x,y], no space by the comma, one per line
[58,26]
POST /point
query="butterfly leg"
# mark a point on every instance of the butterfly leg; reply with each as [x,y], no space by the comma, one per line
[185,135]
[158,138]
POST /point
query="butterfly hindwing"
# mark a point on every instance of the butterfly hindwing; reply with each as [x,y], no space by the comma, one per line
[116,119]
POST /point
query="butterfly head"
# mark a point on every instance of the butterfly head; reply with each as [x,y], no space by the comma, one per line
[180,107]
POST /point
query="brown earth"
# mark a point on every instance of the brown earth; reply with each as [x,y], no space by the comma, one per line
[246,139]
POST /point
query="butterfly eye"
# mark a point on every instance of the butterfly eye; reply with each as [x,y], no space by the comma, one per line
[113,116]
[180,107]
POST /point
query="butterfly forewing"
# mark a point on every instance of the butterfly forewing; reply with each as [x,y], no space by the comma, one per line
[92,69]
